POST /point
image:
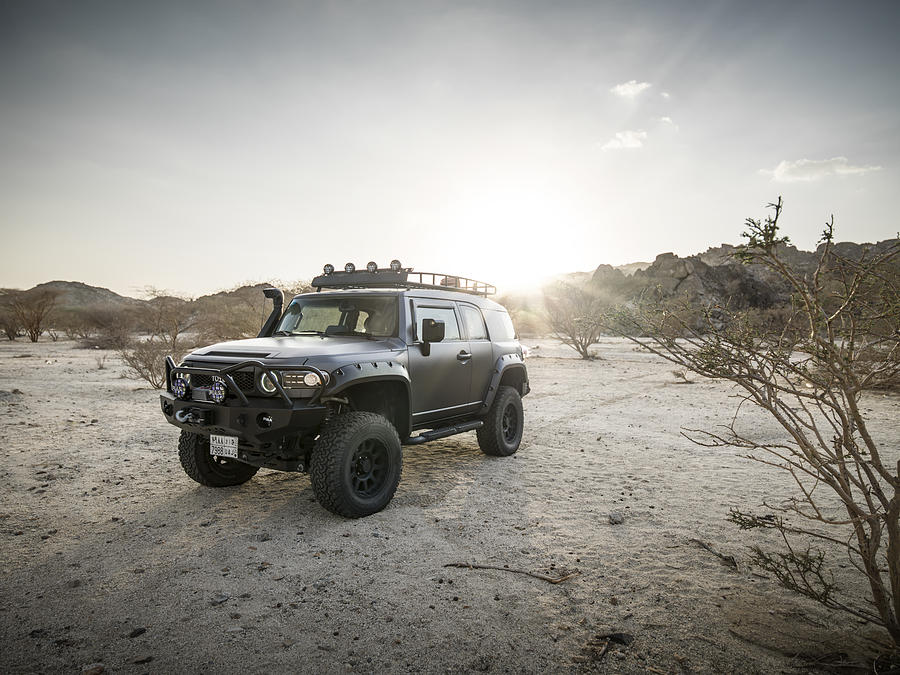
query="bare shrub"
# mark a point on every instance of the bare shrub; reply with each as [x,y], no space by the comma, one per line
[30,309]
[105,327]
[573,314]
[101,361]
[840,339]
[166,317]
[231,315]
[146,360]
[9,322]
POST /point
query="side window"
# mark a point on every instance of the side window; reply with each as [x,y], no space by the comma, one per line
[501,327]
[474,322]
[445,314]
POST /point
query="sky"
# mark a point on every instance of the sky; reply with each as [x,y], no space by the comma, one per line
[195,146]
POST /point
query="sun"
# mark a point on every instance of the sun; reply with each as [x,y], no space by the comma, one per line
[520,232]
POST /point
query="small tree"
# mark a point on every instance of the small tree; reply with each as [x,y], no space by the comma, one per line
[31,309]
[146,360]
[166,319]
[9,323]
[840,339]
[573,314]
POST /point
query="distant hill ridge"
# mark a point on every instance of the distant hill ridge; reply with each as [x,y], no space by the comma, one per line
[76,295]
[711,276]
[715,276]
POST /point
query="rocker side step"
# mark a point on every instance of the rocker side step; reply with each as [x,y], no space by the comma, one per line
[435,434]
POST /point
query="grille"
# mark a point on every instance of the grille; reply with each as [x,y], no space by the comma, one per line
[243,379]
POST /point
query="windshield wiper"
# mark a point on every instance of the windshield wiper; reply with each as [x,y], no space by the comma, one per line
[299,332]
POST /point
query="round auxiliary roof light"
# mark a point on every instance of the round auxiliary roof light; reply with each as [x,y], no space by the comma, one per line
[312,380]
[349,268]
[372,267]
[217,392]
[180,387]
[328,269]
[266,384]
[395,265]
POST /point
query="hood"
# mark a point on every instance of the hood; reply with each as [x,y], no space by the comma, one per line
[298,347]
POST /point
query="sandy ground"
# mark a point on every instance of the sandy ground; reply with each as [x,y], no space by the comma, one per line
[111,555]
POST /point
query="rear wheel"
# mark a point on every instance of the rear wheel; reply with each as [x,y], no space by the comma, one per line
[502,431]
[206,469]
[356,464]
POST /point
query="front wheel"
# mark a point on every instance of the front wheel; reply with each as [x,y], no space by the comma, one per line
[356,464]
[207,469]
[502,431]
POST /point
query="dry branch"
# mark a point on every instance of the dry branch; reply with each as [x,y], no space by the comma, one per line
[536,575]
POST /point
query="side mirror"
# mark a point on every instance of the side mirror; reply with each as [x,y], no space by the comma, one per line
[432,331]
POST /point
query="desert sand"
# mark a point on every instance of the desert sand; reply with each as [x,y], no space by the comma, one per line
[110,555]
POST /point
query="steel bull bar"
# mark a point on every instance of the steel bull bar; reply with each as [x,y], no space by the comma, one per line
[225,374]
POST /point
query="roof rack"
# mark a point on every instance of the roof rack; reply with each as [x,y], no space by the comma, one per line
[405,278]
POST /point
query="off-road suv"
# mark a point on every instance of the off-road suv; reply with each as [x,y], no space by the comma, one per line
[340,379]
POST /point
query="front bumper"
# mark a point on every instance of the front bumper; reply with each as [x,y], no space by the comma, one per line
[243,421]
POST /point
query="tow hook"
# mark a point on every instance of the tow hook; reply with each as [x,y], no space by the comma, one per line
[193,416]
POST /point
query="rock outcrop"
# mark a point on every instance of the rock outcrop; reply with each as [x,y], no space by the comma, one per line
[716,277]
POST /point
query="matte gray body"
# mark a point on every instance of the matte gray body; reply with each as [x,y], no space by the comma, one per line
[444,387]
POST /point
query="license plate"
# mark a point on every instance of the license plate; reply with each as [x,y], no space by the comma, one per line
[223,446]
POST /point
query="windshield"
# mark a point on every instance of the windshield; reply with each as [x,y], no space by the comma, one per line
[366,316]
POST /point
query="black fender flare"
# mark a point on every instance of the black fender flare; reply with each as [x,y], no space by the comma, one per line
[366,371]
[503,365]
[344,377]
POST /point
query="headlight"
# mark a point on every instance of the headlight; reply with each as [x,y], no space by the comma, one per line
[372,267]
[395,265]
[312,380]
[349,267]
[266,384]
[328,269]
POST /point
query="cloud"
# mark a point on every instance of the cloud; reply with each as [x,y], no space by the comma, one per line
[815,169]
[666,94]
[630,89]
[626,140]
[668,121]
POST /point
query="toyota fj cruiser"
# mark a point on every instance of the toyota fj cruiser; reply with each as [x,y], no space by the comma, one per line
[339,380]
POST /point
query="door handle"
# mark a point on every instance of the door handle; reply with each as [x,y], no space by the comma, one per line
[463,356]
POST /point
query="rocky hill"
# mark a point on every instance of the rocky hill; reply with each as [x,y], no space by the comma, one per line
[74,295]
[715,276]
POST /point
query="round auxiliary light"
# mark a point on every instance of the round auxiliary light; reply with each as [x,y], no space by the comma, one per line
[372,267]
[217,391]
[264,420]
[266,384]
[312,380]
[328,269]
[180,387]
[395,265]
[349,267]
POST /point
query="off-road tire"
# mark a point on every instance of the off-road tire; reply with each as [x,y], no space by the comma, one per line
[356,464]
[502,431]
[193,451]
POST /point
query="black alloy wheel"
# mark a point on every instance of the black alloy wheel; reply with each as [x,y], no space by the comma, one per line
[356,463]
[503,425]
[369,468]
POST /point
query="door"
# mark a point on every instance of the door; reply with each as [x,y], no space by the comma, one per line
[482,364]
[441,380]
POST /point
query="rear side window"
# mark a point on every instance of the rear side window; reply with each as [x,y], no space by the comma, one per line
[445,314]
[501,326]
[474,322]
